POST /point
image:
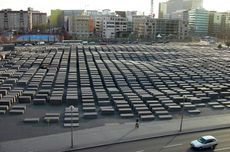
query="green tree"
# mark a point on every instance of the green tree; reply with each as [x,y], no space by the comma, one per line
[219,46]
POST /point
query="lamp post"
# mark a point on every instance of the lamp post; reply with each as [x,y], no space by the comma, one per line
[182,115]
[71,109]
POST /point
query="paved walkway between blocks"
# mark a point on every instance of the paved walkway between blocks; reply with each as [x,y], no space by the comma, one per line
[115,133]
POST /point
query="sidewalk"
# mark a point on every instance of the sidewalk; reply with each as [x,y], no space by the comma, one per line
[114,133]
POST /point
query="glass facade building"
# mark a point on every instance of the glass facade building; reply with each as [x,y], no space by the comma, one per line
[198,20]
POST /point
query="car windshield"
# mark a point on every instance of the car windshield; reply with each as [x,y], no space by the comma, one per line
[201,140]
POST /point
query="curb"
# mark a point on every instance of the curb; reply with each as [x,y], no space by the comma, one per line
[173,133]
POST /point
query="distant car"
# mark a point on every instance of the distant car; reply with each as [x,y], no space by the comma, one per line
[103,43]
[204,142]
[148,43]
[41,43]
[84,42]
[135,42]
[92,43]
[27,44]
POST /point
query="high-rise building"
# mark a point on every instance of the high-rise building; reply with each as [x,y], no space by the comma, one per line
[197,4]
[180,15]
[162,10]
[198,20]
[167,8]
[174,5]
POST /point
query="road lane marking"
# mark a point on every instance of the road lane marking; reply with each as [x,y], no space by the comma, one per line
[220,149]
[169,146]
[140,151]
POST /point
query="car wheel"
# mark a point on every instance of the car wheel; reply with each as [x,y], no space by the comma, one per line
[214,146]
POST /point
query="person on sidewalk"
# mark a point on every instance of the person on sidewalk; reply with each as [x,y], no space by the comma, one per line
[137,123]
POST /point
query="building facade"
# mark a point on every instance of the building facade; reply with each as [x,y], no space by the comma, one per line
[166,9]
[152,29]
[39,21]
[14,20]
[226,25]
[169,29]
[216,24]
[57,18]
[114,27]
[121,25]
[198,20]
[138,26]
[81,27]
[162,10]
[21,21]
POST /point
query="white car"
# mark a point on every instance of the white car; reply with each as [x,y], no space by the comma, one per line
[84,42]
[27,44]
[41,43]
[204,142]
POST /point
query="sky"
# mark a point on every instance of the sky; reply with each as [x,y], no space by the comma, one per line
[129,5]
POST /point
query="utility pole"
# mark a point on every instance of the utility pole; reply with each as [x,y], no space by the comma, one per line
[71,108]
[182,114]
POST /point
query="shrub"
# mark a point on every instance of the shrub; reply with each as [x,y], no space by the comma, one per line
[219,46]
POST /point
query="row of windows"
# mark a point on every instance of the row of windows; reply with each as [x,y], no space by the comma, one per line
[110,33]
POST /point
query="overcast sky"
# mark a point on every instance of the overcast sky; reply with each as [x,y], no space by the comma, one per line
[129,5]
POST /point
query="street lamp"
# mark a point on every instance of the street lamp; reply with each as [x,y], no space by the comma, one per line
[71,109]
[182,115]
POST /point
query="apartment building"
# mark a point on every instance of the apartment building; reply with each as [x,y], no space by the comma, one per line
[21,21]
[14,20]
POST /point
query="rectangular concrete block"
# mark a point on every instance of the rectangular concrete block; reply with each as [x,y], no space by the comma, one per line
[24,99]
[31,120]
[90,115]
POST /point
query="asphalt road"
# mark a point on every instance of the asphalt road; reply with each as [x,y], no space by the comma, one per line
[179,143]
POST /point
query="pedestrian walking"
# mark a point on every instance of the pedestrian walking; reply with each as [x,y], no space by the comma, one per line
[137,123]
